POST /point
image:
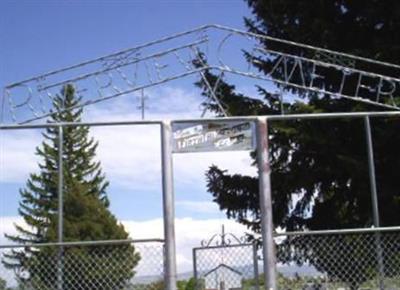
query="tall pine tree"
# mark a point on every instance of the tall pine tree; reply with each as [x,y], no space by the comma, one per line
[322,165]
[86,213]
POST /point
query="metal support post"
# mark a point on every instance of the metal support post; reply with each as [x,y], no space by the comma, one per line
[371,167]
[255,261]
[168,206]
[374,198]
[195,276]
[267,225]
[60,208]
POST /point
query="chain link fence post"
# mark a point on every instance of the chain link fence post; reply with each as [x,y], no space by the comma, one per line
[60,208]
[267,226]
[168,205]
[255,261]
[374,198]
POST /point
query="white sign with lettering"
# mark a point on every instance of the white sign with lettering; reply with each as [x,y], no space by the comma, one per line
[213,136]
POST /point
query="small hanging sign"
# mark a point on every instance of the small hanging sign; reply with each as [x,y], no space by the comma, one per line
[213,136]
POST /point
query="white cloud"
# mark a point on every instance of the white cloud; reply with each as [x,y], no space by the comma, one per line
[189,234]
[130,155]
[198,206]
[7,226]
[161,103]
[17,158]
[131,158]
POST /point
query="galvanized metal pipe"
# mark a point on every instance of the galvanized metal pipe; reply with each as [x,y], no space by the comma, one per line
[195,31]
[206,120]
[303,45]
[168,206]
[267,225]
[60,208]
[83,243]
[122,93]
[293,117]
[136,60]
[104,57]
[224,246]
[195,275]
[80,124]
[267,77]
[60,184]
[339,232]
[374,198]
[371,171]
[255,265]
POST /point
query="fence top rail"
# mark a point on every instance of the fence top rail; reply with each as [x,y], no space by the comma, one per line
[224,246]
[83,243]
[339,231]
[206,120]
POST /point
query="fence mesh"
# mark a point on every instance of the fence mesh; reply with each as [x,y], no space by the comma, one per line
[225,267]
[132,265]
[369,260]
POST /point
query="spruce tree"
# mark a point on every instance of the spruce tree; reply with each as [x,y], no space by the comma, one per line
[321,164]
[86,214]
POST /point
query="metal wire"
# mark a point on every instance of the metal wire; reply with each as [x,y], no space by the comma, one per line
[125,264]
[224,267]
[339,260]
[153,65]
[225,261]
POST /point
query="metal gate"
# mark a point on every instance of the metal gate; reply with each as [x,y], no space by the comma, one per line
[226,262]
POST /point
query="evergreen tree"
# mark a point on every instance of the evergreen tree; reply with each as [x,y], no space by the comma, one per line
[321,164]
[3,284]
[86,214]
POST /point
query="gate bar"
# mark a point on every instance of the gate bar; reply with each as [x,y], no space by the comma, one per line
[195,276]
[168,206]
[267,225]
[204,120]
[371,170]
[374,197]
[339,231]
[60,207]
[255,262]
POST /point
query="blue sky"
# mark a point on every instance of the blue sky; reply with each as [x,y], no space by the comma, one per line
[38,36]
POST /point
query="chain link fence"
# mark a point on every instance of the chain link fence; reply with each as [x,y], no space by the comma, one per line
[84,265]
[339,260]
[228,267]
